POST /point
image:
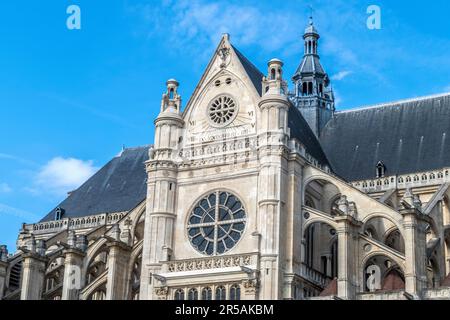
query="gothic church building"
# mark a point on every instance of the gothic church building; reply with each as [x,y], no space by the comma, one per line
[253,191]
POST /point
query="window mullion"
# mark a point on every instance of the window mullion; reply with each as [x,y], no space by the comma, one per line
[216,219]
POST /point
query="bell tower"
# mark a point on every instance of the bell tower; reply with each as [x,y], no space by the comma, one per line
[313,94]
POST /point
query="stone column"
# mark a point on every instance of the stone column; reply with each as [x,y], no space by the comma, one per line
[32,276]
[159,228]
[414,224]
[162,187]
[3,269]
[347,242]
[272,183]
[73,263]
[118,281]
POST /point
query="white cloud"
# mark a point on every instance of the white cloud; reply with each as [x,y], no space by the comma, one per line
[61,175]
[341,75]
[5,188]
[447,89]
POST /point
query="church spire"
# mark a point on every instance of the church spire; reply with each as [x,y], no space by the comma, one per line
[311,37]
[313,94]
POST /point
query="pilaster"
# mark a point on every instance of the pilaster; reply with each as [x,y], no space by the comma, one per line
[32,276]
[119,256]
[3,269]
[347,245]
[73,263]
[415,224]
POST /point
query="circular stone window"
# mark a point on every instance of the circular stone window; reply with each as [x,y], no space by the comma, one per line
[216,223]
[222,111]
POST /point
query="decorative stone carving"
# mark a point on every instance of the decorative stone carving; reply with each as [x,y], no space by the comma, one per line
[251,286]
[224,55]
[209,263]
[162,293]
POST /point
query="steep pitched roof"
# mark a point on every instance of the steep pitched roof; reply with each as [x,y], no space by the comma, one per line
[119,186]
[407,136]
[310,65]
[303,133]
[252,71]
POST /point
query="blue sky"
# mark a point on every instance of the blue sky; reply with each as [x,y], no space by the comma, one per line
[70,99]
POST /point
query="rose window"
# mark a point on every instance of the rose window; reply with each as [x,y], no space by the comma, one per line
[216,223]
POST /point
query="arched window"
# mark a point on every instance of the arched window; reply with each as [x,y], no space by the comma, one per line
[193,294]
[309,202]
[305,88]
[314,47]
[310,47]
[310,88]
[395,241]
[206,294]
[59,212]
[334,259]
[272,74]
[381,168]
[310,246]
[321,89]
[179,295]
[171,94]
[235,292]
[221,293]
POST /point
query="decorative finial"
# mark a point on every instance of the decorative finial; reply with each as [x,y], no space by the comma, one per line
[311,21]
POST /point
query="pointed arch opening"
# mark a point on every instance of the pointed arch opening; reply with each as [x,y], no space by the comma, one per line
[382,274]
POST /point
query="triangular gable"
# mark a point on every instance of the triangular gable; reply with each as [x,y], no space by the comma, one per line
[251,71]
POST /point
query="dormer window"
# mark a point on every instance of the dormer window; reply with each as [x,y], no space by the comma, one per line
[59,212]
[381,169]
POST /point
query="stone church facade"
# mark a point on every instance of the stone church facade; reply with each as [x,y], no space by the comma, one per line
[253,191]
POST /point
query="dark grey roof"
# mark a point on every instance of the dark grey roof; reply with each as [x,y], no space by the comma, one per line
[303,133]
[119,186]
[252,71]
[310,65]
[409,136]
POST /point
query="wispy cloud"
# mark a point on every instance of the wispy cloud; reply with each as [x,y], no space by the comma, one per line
[447,89]
[19,213]
[94,111]
[61,175]
[195,26]
[11,157]
[5,188]
[341,75]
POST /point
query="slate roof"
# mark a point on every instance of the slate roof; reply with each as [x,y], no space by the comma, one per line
[303,133]
[407,136]
[310,65]
[252,71]
[119,186]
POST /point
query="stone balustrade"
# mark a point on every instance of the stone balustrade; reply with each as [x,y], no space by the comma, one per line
[74,223]
[404,181]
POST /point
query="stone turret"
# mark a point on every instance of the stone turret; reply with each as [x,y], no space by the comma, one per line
[313,94]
